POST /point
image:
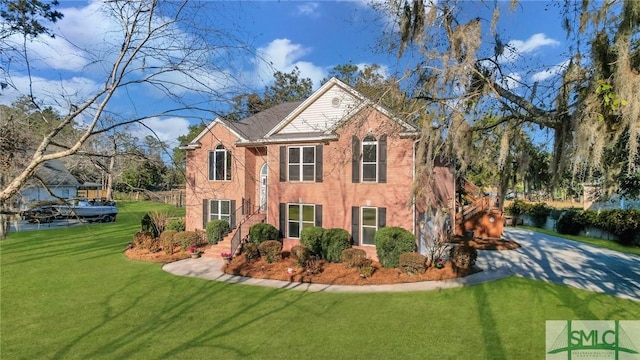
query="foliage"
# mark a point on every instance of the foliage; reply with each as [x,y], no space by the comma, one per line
[539,213]
[334,241]
[167,241]
[28,17]
[623,223]
[259,233]
[435,234]
[187,239]
[141,239]
[391,242]
[216,230]
[516,208]
[412,263]
[570,222]
[159,220]
[353,257]
[146,223]
[462,257]
[250,251]
[270,250]
[176,224]
[301,254]
[311,237]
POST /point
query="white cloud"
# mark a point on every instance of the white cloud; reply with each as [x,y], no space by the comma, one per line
[550,72]
[308,9]
[511,81]
[283,55]
[516,48]
[167,129]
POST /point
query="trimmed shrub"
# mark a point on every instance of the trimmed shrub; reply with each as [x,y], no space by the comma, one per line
[463,257]
[391,242]
[217,230]
[353,257]
[311,237]
[539,213]
[260,233]
[301,254]
[625,224]
[413,263]
[176,224]
[186,239]
[250,251]
[570,222]
[141,239]
[146,223]
[271,250]
[167,242]
[334,241]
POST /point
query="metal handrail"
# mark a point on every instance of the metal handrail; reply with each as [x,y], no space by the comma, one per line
[236,239]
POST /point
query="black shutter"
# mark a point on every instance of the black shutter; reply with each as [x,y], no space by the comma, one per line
[232,216]
[319,163]
[355,161]
[318,221]
[355,225]
[382,166]
[382,217]
[283,163]
[211,165]
[205,212]
[283,220]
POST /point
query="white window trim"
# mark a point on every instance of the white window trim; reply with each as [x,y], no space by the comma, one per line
[300,222]
[218,214]
[362,225]
[362,162]
[225,163]
[301,164]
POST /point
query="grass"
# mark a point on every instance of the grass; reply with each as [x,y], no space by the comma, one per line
[72,294]
[608,244]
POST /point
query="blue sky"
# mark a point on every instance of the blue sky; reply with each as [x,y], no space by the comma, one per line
[315,36]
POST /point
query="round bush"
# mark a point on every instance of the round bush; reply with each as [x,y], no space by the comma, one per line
[141,239]
[463,257]
[186,239]
[167,241]
[250,251]
[217,230]
[260,233]
[311,237]
[270,250]
[301,254]
[539,213]
[176,224]
[352,257]
[391,242]
[569,223]
[334,241]
[413,263]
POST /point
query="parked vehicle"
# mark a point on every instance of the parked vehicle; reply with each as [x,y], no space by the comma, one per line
[95,210]
[41,214]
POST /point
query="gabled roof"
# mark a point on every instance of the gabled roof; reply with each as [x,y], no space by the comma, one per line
[54,174]
[313,119]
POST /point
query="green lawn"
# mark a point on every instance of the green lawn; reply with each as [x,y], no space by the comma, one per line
[608,244]
[71,294]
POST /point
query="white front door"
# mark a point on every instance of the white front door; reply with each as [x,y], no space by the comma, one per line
[263,188]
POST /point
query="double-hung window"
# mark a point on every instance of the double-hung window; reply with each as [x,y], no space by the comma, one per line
[220,164]
[220,210]
[302,163]
[299,216]
[369,159]
[365,222]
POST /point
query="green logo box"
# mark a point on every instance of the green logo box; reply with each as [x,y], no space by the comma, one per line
[593,339]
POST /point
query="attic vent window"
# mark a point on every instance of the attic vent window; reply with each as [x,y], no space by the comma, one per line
[335,102]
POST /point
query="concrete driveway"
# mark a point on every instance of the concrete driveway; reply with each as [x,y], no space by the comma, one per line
[553,259]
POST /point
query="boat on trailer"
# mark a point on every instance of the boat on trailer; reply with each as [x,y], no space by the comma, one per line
[96,210]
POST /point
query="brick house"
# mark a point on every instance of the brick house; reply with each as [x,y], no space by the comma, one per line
[335,160]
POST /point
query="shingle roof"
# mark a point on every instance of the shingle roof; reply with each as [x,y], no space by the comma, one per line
[256,126]
[54,173]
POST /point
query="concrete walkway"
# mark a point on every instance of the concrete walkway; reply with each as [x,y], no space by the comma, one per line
[541,257]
